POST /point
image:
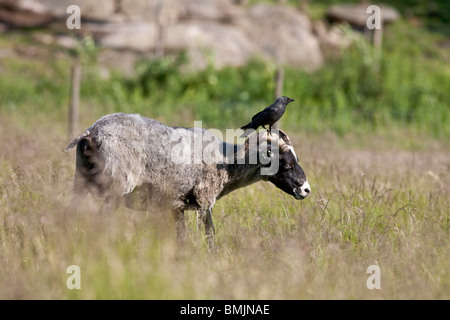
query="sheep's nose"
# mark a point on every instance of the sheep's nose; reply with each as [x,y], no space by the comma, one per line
[306,189]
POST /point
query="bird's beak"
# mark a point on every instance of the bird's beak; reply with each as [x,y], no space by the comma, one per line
[290,100]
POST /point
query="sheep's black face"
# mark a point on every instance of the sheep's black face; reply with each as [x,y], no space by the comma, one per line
[290,177]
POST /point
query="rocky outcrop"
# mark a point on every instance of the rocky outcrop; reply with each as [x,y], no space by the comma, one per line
[282,34]
[23,13]
[218,31]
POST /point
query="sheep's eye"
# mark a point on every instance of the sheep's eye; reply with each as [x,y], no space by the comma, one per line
[287,166]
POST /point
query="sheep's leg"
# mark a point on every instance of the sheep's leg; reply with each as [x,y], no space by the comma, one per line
[180,225]
[71,211]
[77,199]
[80,191]
[209,227]
[199,214]
[110,205]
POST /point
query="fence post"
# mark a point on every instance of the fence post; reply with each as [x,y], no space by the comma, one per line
[74,107]
[279,80]
[165,13]
[377,44]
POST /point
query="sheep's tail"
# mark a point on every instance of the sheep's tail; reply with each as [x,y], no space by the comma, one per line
[77,139]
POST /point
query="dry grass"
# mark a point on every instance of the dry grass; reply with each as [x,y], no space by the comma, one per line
[372,205]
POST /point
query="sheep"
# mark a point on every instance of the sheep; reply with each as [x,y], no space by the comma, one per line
[149,164]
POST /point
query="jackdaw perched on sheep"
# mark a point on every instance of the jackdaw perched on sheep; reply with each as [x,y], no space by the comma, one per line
[268,116]
[124,155]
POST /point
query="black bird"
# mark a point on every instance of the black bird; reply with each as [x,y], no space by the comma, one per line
[269,115]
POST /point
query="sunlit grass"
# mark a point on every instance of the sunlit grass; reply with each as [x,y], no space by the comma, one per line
[367,207]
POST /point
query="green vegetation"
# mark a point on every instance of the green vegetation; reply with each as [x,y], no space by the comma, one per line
[407,88]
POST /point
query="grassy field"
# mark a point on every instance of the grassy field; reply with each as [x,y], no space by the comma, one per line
[375,147]
[368,206]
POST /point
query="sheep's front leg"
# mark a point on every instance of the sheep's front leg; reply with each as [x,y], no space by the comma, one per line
[77,199]
[180,225]
[209,227]
[80,191]
[110,205]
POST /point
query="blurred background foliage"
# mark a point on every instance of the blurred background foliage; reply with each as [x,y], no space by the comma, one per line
[408,88]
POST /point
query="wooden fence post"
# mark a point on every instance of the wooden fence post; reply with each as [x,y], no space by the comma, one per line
[165,13]
[74,108]
[377,44]
[279,81]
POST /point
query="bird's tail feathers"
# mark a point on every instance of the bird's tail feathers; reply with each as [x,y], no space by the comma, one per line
[247,126]
[245,134]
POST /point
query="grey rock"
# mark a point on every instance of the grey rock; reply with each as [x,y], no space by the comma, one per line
[24,13]
[282,34]
[210,41]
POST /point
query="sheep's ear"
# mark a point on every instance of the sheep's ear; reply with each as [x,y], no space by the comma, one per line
[277,134]
[285,137]
[279,140]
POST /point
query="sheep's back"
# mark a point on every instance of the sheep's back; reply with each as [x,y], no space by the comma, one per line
[138,150]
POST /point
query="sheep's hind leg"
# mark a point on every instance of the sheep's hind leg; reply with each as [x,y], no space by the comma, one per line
[180,226]
[209,228]
[80,192]
[110,205]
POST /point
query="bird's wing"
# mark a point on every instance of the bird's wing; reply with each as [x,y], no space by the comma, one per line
[263,114]
[246,126]
[258,114]
[259,119]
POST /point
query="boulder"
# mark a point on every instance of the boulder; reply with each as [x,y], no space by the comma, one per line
[282,34]
[198,39]
[24,13]
[222,44]
[136,35]
[211,10]
[217,31]
[164,11]
[172,10]
[255,31]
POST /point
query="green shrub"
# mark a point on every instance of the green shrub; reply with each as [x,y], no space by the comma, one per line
[406,88]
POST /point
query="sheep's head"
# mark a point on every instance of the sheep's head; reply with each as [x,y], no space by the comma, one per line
[290,176]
